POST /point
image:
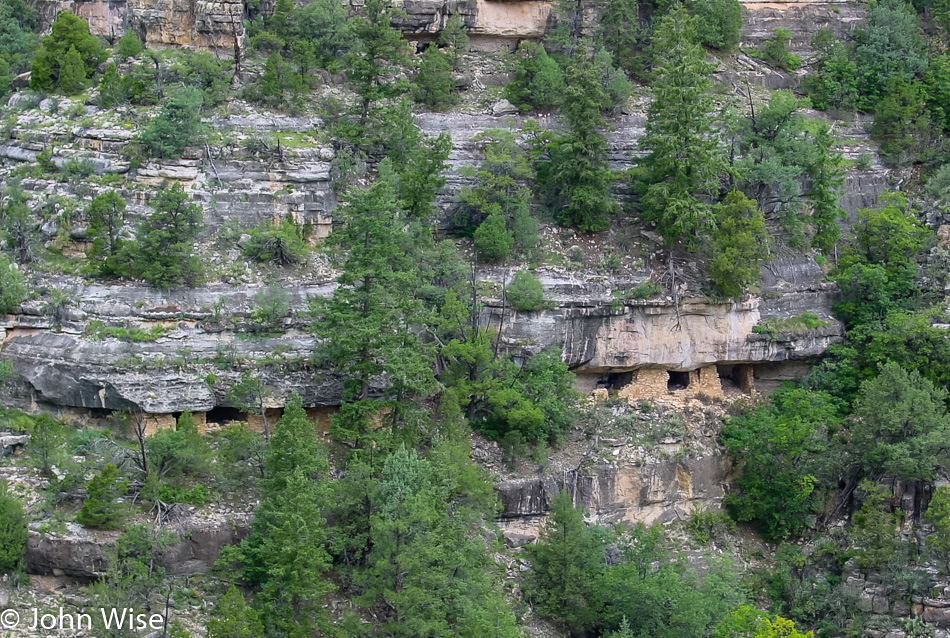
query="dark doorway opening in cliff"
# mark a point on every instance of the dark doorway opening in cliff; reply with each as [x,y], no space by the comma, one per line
[678,380]
[221,414]
[617,380]
[737,378]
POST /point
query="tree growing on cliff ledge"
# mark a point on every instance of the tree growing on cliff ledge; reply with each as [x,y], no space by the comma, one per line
[68,32]
[680,173]
[164,251]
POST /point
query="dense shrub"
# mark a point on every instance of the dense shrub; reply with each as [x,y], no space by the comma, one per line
[526,292]
[13,531]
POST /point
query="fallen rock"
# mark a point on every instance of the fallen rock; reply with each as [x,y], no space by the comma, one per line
[503,107]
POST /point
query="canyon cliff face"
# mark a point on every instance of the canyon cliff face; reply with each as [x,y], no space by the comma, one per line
[616,344]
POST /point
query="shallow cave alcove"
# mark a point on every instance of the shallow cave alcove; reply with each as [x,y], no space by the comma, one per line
[679,380]
[221,415]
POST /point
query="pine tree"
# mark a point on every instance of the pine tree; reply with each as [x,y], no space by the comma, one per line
[367,326]
[379,52]
[232,618]
[112,88]
[163,253]
[100,510]
[106,221]
[454,36]
[13,531]
[493,241]
[72,74]
[434,81]
[286,551]
[538,82]
[565,563]
[67,32]
[740,244]
[129,45]
[577,177]
[902,123]
[826,175]
[684,161]
[177,126]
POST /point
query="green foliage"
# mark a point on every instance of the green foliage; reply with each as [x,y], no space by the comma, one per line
[901,421]
[177,126]
[366,326]
[827,174]
[660,596]
[454,37]
[538,81]
[279,244]
[902,123]
[501,185]
[875,531]
[577,180]
[683,160]
[780,447]
[72,73]
[378,53]
[565,564]
[797,324]
[129,46]
[624,36]
[434,82]
[113,90]
[314,34]
[526,292]
[202,70]
[937,90]
[47,442]
[12,289]
[240,456]
[776,53]
[889,45]
[180,453]
[834,83]
[938,515]
[271,307]
[717,21]
[163,253]
[280,87]
[233,618]
[133,575]
[493,240]
[18,25]
[107,217]
[68,32]
[286,551]
[877,273]
[100,510]
[740,245]
[749,622]
[427,561]
[709,526]
[644,290]
[13,531]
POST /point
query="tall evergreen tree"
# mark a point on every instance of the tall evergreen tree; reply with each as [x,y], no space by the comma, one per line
[565,563]
[684,161]
[286,552]
[378,54]
[106,221]
[578,179]
[67,32]
[72,74]
[367,328]
[164,251]
[740,244]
